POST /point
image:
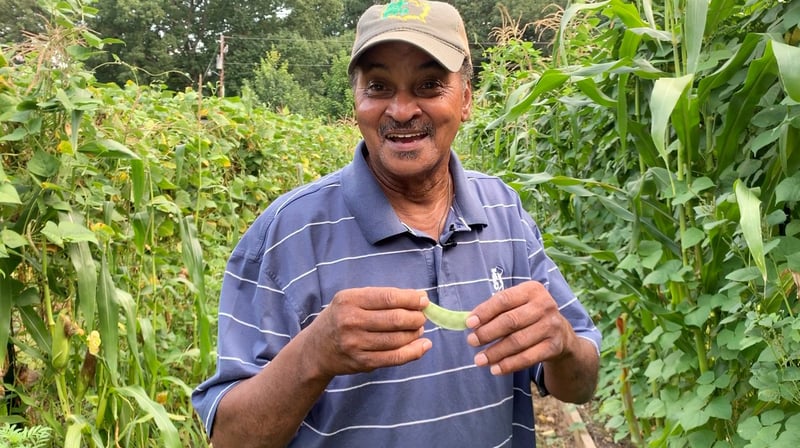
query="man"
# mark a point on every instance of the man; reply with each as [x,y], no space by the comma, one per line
[322,337]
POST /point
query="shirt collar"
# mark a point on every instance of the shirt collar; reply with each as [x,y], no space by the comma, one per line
[376,217]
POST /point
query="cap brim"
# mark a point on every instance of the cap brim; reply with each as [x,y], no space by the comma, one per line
[449,57]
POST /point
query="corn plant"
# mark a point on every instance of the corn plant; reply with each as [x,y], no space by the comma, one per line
[661,149]
[118,208]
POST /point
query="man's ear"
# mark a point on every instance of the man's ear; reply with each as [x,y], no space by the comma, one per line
[466,107]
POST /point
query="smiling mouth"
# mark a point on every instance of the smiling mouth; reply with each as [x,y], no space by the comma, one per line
[405,137]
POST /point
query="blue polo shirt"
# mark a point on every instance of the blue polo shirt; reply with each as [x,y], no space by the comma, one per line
[341,232]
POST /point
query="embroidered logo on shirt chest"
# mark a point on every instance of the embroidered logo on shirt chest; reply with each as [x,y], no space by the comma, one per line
[497,278]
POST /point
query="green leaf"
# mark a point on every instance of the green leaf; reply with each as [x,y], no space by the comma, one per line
[138,180]
[788,59]
[761,76]
[192,253]
[149,339]
[693,415]
[9,288]
[692,236]
[702,184]
[550,80]
[43,164]
[108,149]
[790,436]
[36,327]
[626,12]
[699,316]
[567,17]
[656,278]
[77,427]
[703,438]
[730,68]
[665,96]
[108,312]
[720,407]
[590,89]
[788,190]
[52,233]
[86,271]
[18,134]
[694,30]
[616,209]
[12,239]
[72,232]
[750,221]
[744,274]
[169,434]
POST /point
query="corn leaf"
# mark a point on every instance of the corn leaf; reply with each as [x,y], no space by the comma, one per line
[728,69]
[750,222]
[128,306]
[696,13]
[568,15]
[788,59]
[666,94]
[169,434]
[193,259]
[108,312]
[138,181]
[77,427]
[9,289]
[35,327]
[761,75]
[149,345]
[549,81]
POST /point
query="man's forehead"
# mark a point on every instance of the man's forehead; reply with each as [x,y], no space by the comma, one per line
[395,51]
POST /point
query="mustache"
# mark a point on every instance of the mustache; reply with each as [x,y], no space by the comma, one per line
[392,126]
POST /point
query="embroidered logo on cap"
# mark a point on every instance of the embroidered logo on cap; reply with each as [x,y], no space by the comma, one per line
[407,10]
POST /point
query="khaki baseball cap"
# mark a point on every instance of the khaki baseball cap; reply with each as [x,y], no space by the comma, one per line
[435,27]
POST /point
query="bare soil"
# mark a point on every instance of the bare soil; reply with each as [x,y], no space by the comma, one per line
[555,430]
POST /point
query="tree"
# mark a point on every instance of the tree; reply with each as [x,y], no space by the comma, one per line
[338,95]
[17,16]
[276,88]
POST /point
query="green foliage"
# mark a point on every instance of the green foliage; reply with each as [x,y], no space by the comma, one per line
[118,209]
[338,99]
[33,437]
[275,87]
[659,150]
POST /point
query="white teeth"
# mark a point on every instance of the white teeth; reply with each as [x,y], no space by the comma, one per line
[417,134]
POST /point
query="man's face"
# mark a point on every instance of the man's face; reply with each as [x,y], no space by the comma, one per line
[409,109]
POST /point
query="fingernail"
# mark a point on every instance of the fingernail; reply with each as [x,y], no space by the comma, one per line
[481,360]
[495,369]
[473,321]
[472,339]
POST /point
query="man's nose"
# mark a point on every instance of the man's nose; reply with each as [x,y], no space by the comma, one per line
[403,107]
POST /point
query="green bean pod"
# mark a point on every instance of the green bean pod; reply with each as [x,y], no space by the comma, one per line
[447,319]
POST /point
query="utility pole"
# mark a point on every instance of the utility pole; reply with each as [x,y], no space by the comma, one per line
[221,65]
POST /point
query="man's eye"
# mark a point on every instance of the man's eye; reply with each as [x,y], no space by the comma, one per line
[375,87]
[428,85]
[430,88]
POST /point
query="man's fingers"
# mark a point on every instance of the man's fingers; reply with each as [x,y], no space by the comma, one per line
[377,298]
[501,326]
[520,361]
[371,360]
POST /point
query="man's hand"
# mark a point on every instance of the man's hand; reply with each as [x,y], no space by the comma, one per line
[361,330]
[523,326]
[367,328]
